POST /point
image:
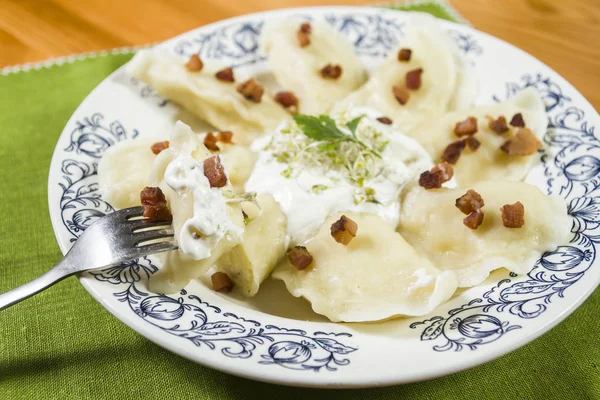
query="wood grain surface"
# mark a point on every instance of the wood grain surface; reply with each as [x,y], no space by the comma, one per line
[563,34]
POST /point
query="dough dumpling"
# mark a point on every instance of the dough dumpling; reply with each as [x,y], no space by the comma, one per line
[178,268]
[297,68]
[262,245]
[201,93]
[431,223]
[375,277]
[238,161]
[488,162]
[444,82]
[123,172]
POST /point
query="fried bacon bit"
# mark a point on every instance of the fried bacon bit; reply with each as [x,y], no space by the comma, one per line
[401,94]
[473,143]
[159,146]
[518,121]
[469,202]
[155,205]
[474,219]
[300,258]
[344,230]
[331,71]
[513,215]
[210,140]
[225,75]
[434,178]
[453,150]
[385,120]
[194,64]
[287,99]
[498,125]
[524,143]
[214,172]
[404,55]
[251,90]
[413,79]
[304,34]
[221,282]
[466,127]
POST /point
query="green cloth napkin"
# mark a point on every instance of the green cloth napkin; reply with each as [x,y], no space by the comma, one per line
[63,344]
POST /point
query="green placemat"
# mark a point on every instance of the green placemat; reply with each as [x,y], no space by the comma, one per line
[63,344]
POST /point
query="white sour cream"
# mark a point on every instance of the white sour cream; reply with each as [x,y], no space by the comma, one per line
[210,222]
[402,160]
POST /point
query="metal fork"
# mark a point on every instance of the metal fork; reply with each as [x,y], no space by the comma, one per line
[115,238]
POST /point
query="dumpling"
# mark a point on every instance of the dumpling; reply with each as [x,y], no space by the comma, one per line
[238,161]
[216,102]
[431,223]
[297,68]
[173,171]
[261,247]
[446,82]
[488,162]
[123,172]
[375,277]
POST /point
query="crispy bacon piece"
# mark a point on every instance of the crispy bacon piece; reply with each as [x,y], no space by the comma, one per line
[513,215]
[385,120]
[401,94]
[413,79]
[210,140]
[221,282]
[251,90]
[303,34]
[518,121]
[466,127]
[300,258]
[159,146]
[434,178]
[524,143]
[194,64]
[331,71]
[344,230]
[155,205]
[473,143]
[404,55]
[287,99]
[474,219]
[453,150]
[498,125]
[225,75]
[214,172]
[469,202]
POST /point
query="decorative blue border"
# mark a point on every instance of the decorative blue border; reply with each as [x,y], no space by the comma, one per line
[573,173]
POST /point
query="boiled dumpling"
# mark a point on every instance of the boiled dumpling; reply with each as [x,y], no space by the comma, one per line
[297,68]
[212,100]
[431,222]
[446,81]
[123,172]
[488,162]
[238,161]
[187,263]
[375,277]
[261,247]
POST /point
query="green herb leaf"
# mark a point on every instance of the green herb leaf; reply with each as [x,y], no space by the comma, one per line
[352,125]
[319,128]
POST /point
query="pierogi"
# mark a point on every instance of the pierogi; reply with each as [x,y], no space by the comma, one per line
[431,222]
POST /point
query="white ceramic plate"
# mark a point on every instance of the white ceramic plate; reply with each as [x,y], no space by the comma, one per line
[281,340]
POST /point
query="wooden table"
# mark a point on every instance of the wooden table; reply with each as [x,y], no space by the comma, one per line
[563,34]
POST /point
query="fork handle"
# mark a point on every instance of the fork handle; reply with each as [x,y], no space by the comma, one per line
[35,286]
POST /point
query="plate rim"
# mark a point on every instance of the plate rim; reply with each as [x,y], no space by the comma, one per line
[293,379]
